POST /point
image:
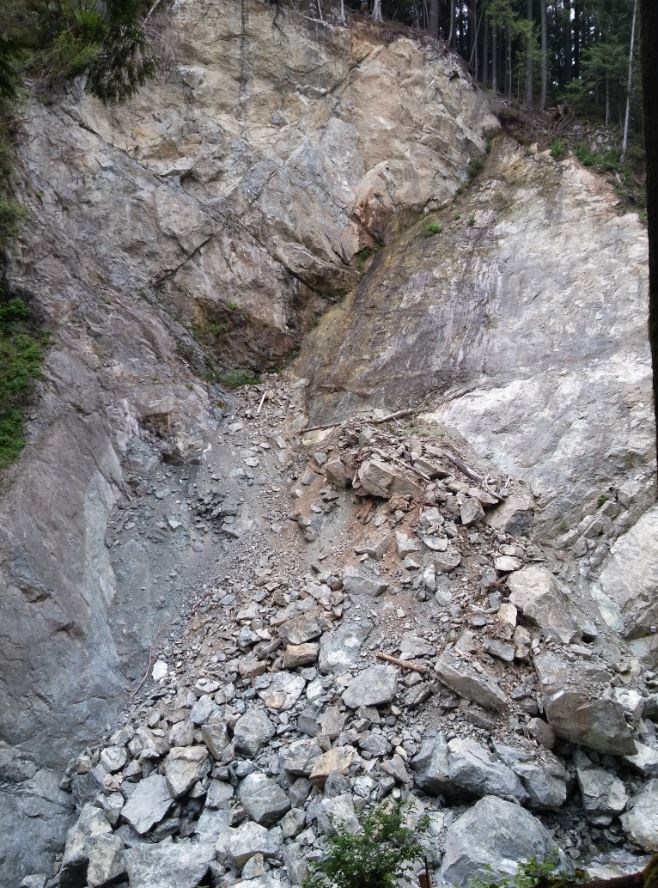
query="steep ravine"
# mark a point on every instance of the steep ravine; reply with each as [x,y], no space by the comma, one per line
[205,226]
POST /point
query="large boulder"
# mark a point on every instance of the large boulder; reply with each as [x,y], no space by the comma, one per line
[263,799]
[340,648]
[179,865]
[578,706]
[183,766]
[462,677]
[627,588]
[252,730]
[148,804]
[641,820]
[491,839]
[544,601]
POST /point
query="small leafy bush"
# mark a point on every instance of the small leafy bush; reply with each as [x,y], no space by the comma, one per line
[432,228]
[235,379]
[21,352]
[475,167]
[11,215]
[380,854]
[558,149]
[534,874]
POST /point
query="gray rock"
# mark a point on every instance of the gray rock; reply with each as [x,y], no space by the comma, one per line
[113,758]
[471,511]
[299,757]
[359,581]
[183,766]
[335,761]
[148,804]
[37,880]
[601,791]
[263,799]
[373,687]
[383,479]
[340,648]
[219,794]
[303,628]
[640,822]
[627,584]
[215,735]
[337,812]
[473,769]
[252,730]
[544,778]
[248,839]
[464,679]
[283,691]
[90,826]
[644,761]
[106,861]
[431,765]
[544,601]
[212,824]
[179,865]
[491,839]
[513,515]
[576,708]
[293,823]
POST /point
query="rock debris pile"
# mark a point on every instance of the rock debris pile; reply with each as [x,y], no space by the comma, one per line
[400,635]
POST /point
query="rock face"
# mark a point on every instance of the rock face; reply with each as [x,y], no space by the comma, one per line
[232,193]
[502,346]
[628,583]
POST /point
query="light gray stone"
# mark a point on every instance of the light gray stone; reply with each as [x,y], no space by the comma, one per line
[491,839]
[640,822]
[544,601]
[373,687]
[106,861]
[339,649]
[179,865]
[462,677]
[283,691]
[601,791]
[359,581]
[148,804]
[246,840]
[472,768]
[252,730]
[264,800]
[183,766]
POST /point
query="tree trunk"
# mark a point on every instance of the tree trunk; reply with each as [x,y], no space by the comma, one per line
[485,53]
[649,42]
[377,11]
[494,57]
[342,12]
[509,61]
[544,57]
[451,32]
[607,101]
[434,18]
[627,118]
[528,61]
[577,37]
[473,37]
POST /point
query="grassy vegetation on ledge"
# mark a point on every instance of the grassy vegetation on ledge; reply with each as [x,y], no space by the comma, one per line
[21,352]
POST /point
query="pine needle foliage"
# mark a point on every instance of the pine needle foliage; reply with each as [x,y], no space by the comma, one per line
[377,857]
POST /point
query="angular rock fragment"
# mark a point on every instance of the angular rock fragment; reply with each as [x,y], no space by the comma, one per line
[576,708]
[183,767]
[148,804]
[383,479]
[374,687]
[544,601]
[491,839]
[340,648]
[179,865]
[252,730]
[263,799]
[248,839]
[464,679]
[359,581]
[601,791]
[283,691]
[641,820]
[336,760]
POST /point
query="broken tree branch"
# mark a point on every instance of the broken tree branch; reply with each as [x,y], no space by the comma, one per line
[403,664]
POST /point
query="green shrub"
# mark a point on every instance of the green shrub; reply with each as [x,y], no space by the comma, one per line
[235,379]
[21,352]
[432,228]
[380,854]
[534,874]
[11,214]
[475,167]
[558,149]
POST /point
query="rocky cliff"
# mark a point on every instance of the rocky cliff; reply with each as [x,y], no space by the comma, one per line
[278,170]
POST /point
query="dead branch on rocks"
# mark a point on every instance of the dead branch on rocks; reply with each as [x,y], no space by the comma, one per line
[403,664]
